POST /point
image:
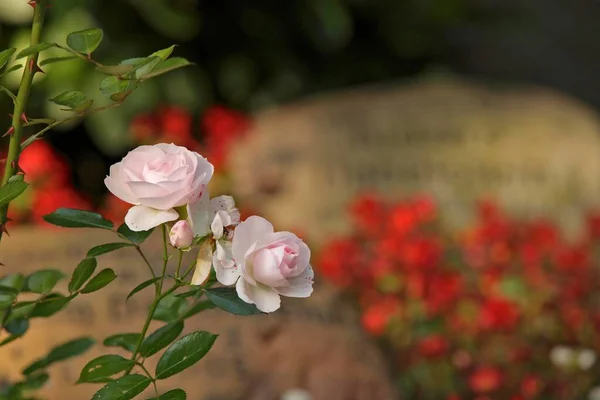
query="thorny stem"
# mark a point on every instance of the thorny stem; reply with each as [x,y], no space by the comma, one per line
[14,148]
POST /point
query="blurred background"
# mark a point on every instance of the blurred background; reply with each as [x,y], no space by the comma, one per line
[506,307]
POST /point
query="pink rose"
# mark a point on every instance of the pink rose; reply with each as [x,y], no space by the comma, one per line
[156,179]
[268,264]
[181,235]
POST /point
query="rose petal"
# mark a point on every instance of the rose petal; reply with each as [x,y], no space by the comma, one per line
[117,184]
[246,234]
[142,218]
[266,299]
[299,286]
[200,214]
[203,264]
[266,266]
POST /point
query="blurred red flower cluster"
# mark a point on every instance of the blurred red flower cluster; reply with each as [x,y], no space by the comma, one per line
[49,172]
[507,309]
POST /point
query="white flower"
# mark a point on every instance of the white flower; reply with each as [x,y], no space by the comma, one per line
[561,356]
[225,214]
[586,359]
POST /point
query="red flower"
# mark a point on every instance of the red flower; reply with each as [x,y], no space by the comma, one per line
[144,129]
[530,386]
[175,126]
[43,166]
[485,380]
[433,346]
[377,316]
[47,201]
[340,261]
[368,214]
[498,314]
[221,127]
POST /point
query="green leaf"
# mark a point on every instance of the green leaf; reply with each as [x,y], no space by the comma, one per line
[161,338]
[175,394]
[117,89]
[10,94]
[5,55]
[127,341]
[56,59]
[21,310]
[107,248]
[36,48]
[142,286]
[71,218]
[85,41]
[134,237]
[15,281]
[227,299]
[43,281]
[124,388]
[190,293]
[12,69]
[34,381]
[17,327]
[184,353]
[50,305]
[18,177]
[170,308]
[198,308]
[102,279]
[100,369]
[164,53]
[84,270]
[11,191]
[74,100]
[60,353]
[165,66]
[7,290]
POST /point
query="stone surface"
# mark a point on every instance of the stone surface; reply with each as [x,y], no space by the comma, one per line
[537,152]
[314,345]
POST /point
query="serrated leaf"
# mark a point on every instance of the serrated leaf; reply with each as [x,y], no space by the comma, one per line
[124,388]
[142,286]
[166,66]
[67,350]
[17,327]
[170,308]
[161,338]
[127,341]
[71,218]
[102,279]
[50,305]
[107,248]
[43,281]
[120,69]
[184,353]
[12,69]
[175,394]
[164,53]
[198,308]
[5,55]
[11,191]
[226,299]
[36,48]
[84,270]
[100,369]
[85,41]
[134,237]
[74,100]
[117,89]
[53,60]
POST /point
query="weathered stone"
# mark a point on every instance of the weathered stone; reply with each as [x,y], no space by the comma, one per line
[314,344]
[534,151]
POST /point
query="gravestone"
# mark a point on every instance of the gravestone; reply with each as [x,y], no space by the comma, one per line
[314,344]
[534,151]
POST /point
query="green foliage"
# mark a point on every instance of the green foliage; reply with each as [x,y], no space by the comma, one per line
[100,369]
[161,338]
[184,353]
[227,299]
[126,341]
[31,50]
[198,308]
[52,304]
[102,279]
[73,100]
[142,286]
[85,41]
[43,281]
[65,351]
[170,308]
[84,270]
[124,388]
[71,218]
[107,248]
[117,89]
[11,191]
[53,60]
[134,237]
[5,55]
